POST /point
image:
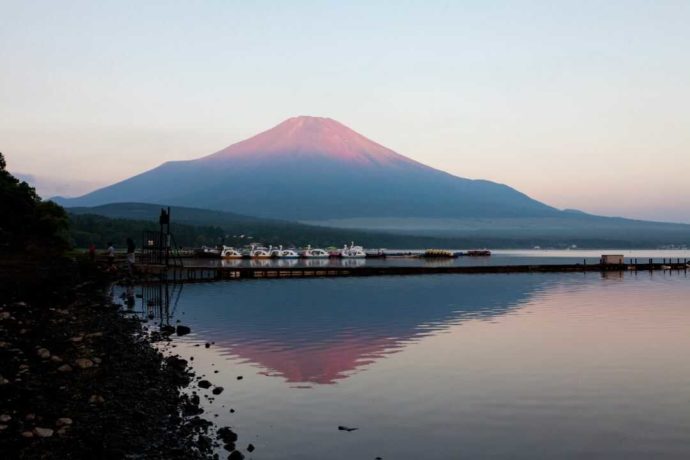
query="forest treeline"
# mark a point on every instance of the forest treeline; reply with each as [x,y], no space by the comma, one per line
[29,225]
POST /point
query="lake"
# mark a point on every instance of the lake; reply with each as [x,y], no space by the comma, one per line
[529,366]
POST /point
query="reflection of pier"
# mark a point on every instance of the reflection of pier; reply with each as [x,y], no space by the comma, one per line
[158,301]
[257,271]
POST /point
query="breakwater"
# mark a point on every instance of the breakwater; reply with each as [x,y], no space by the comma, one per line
[206,273]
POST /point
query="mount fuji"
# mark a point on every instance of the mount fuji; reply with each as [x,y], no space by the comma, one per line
[317,169]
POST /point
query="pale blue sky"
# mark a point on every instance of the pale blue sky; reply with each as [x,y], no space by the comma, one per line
[579,104]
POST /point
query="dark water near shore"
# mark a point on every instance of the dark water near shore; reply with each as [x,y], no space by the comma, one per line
[446,366]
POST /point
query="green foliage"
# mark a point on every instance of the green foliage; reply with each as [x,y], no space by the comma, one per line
[87,229]
[26,222]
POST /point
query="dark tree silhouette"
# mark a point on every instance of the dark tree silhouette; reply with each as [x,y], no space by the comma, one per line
[28,224]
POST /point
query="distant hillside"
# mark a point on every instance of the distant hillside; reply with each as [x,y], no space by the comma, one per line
[569,226]
[86,229]
[211,227]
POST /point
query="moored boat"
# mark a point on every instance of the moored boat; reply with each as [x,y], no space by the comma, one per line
[274,253]
[228,252]
[441,253]
[352,252]
[478,253]
[288,254]
[376,254]
[259,252]
[207,253]
[315,253]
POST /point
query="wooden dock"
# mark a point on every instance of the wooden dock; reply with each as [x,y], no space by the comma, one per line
[190,274]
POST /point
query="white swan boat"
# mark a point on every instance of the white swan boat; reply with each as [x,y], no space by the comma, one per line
[280,253]
[352,252]
[230,253]
[259,252]
[288,254]
[274,253]
[315,253]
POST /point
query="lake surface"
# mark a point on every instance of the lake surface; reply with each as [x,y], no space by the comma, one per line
[498,257]
[445,366]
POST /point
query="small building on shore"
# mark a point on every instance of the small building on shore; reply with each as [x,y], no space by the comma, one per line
[612,259]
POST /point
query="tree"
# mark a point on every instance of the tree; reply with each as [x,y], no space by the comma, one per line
[26,222]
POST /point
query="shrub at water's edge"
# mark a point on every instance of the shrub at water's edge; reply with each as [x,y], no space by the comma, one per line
[29,225]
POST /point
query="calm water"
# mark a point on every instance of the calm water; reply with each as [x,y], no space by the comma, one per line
[499,257]
[447,366]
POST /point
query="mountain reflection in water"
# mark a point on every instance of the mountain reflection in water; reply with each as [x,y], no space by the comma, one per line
[321,330]
[523,366]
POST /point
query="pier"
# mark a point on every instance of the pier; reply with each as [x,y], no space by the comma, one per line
[190,274]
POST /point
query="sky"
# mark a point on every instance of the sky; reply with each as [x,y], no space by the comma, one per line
[582,105]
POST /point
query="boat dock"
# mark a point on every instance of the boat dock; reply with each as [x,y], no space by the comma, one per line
[190,274]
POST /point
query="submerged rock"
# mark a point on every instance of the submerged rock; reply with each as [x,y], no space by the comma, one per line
[183,330]
[204,384]
[346,428]
[217,390]
[226,435]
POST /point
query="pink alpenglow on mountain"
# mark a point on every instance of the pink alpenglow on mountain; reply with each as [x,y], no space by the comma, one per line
[304,137]
[310,168]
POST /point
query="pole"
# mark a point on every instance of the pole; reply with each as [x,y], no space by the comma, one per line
[167,241]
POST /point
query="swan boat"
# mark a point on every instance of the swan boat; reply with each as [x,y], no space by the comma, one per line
[280,253]
[259,252]
[315,253]
[230,253]
[288,254]
[352,252]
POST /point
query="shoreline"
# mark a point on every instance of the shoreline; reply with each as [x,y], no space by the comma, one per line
[80,379]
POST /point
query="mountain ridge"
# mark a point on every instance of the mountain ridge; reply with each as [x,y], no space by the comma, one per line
[308,168]
[558,232]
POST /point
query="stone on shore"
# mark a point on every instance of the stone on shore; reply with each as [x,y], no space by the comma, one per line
[43,353]
[63,421]
[43,432]
[96,399]
[83,363]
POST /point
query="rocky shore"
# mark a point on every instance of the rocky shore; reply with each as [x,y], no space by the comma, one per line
[80,380]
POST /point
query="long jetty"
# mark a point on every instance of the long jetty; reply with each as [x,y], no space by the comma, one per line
[190,274]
